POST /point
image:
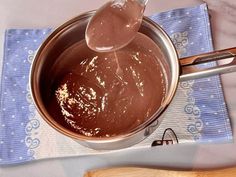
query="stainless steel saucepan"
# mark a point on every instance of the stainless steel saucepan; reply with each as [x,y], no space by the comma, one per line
[42,75]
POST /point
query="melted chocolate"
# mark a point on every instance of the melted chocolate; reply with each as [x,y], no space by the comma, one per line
[114,25]
[108,94]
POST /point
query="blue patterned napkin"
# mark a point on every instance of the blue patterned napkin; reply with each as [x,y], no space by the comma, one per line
[198,113]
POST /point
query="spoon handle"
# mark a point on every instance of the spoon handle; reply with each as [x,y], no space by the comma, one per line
[143,2]
[145,172]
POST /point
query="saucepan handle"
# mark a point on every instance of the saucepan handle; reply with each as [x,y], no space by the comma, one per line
[191,70]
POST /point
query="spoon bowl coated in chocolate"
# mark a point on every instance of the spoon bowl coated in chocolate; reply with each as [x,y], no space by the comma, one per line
[114,25]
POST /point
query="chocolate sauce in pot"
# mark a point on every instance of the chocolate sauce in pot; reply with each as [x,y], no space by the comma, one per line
[114,25]
[109,94]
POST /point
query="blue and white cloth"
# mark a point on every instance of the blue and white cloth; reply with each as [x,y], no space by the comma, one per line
[198,113]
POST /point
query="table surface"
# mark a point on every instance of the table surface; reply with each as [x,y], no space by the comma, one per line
[44,13]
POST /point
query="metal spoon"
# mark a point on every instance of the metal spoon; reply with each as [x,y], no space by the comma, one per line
[114,25]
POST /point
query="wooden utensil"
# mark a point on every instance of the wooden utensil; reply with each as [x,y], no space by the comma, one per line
[145,172]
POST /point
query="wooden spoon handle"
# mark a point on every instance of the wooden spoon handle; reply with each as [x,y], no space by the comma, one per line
[145,172]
